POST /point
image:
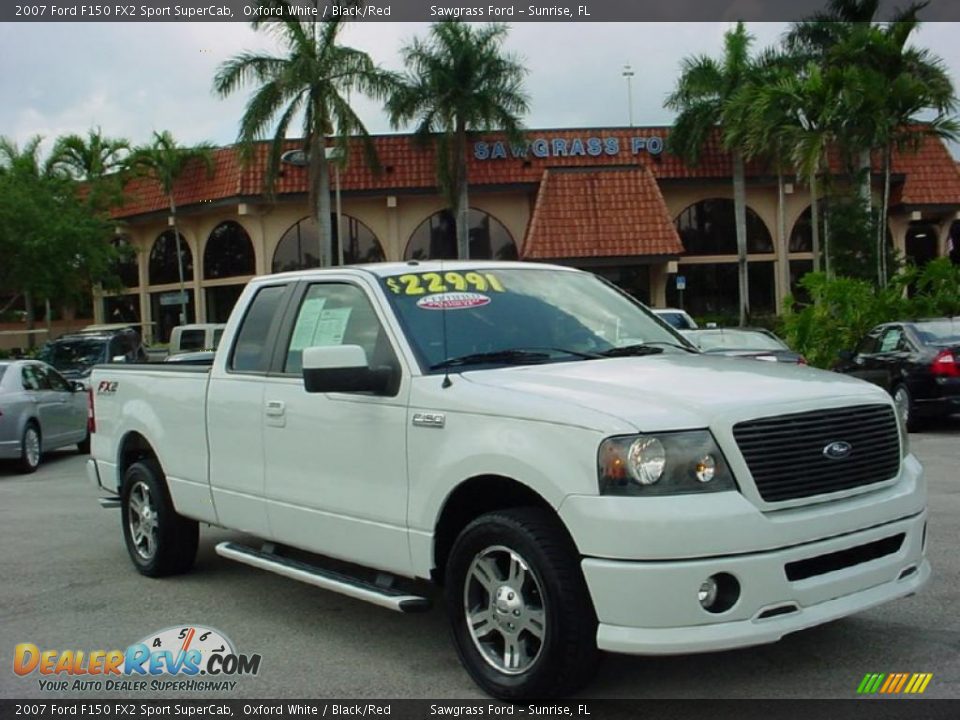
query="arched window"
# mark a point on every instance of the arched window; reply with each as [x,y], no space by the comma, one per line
[801,237]
[922,243]
[299,248]
[126,267]
[436,238]
[163,260]
[709,228]
[228,253]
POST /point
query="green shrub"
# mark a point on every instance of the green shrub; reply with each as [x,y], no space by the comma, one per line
[843,309]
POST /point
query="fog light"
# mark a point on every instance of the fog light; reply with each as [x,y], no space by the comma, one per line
[705,469]
[718,593]
[707,594]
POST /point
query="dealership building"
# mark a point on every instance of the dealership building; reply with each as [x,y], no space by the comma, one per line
[610,200]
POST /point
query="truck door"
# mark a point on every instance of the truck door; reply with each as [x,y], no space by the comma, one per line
[336,474]
[234,415]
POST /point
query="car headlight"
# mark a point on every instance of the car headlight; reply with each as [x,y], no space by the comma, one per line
[672,463]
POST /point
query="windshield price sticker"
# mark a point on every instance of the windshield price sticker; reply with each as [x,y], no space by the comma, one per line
[431,282]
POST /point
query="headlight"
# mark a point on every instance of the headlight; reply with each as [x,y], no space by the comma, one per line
[663,464]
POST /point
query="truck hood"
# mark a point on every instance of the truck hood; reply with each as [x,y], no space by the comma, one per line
[670,391]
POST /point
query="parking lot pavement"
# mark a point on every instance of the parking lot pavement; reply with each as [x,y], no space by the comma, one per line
[66,583]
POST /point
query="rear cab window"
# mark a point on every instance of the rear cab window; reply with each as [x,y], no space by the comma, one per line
[252,349]
[192,340]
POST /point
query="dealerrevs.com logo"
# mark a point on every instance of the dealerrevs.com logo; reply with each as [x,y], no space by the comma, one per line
[179,658]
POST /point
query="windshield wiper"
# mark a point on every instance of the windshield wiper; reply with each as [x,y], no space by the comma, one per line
[646,348]
[505,357]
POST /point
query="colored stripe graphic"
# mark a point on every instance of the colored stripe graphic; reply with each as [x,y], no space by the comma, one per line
[894,683]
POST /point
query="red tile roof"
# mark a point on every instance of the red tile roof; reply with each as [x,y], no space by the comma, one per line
[614,212]
[930,176]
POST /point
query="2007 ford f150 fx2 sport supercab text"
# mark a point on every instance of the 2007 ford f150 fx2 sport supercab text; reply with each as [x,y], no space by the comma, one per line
[572,473]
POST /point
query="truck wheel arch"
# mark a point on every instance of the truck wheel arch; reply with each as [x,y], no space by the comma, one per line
[469,500]
[133,448]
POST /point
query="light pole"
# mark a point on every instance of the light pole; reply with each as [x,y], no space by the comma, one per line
[334,155]
[628,74]
[299,158]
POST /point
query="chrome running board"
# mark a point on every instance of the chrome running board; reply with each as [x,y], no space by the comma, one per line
[334,581]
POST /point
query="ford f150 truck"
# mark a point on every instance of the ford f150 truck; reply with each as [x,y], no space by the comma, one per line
[573,473]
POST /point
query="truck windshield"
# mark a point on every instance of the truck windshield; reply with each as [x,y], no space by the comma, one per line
[74,355]
[499,316]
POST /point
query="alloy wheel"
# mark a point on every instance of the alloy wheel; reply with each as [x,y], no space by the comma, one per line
[143,521]
[505,611]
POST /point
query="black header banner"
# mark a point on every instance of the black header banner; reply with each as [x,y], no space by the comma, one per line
[215,709]
[437,10]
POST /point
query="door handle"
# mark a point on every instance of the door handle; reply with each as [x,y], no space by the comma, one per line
[275,408]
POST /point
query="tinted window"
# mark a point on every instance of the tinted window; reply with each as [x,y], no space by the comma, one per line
[337,314]
[53,379]
[79,354]
[868,345]
[34,379]
[250,352]
[192,339]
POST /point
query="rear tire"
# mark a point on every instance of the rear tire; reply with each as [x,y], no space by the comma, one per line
[532,629]
[30,449]
[83,447]
[159,540]
[904,402]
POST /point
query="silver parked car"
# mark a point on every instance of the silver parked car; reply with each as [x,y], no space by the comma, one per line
[39,411]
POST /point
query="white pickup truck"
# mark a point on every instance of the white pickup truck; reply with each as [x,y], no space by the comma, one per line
[572,473]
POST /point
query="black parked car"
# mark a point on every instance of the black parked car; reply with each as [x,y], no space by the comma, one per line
[75,355]
[917,362]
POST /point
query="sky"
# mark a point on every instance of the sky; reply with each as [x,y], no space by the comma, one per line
[133,78]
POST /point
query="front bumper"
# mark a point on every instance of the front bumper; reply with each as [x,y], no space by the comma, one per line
[653,608]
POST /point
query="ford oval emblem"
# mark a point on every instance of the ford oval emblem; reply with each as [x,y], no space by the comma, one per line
[838,450]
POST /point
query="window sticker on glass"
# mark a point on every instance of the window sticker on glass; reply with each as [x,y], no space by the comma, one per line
[433,283]
[307,323]
[331,327]
[452,301]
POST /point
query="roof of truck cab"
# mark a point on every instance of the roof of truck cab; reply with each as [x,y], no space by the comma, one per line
[418,266]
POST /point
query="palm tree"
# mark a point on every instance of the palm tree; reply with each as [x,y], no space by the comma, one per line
[459,81]
[313,79]
[703,98]
[767,119]
[907,84]
[885,86]
[165,161]
[95,160]
[92,158]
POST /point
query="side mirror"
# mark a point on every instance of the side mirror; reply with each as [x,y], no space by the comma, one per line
[846,355]
[76,386]
[342,368]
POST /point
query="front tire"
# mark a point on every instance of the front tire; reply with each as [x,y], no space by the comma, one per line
[520,613]
[30,449]
[159,540]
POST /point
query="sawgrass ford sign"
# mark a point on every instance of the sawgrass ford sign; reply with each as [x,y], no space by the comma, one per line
[547,147]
